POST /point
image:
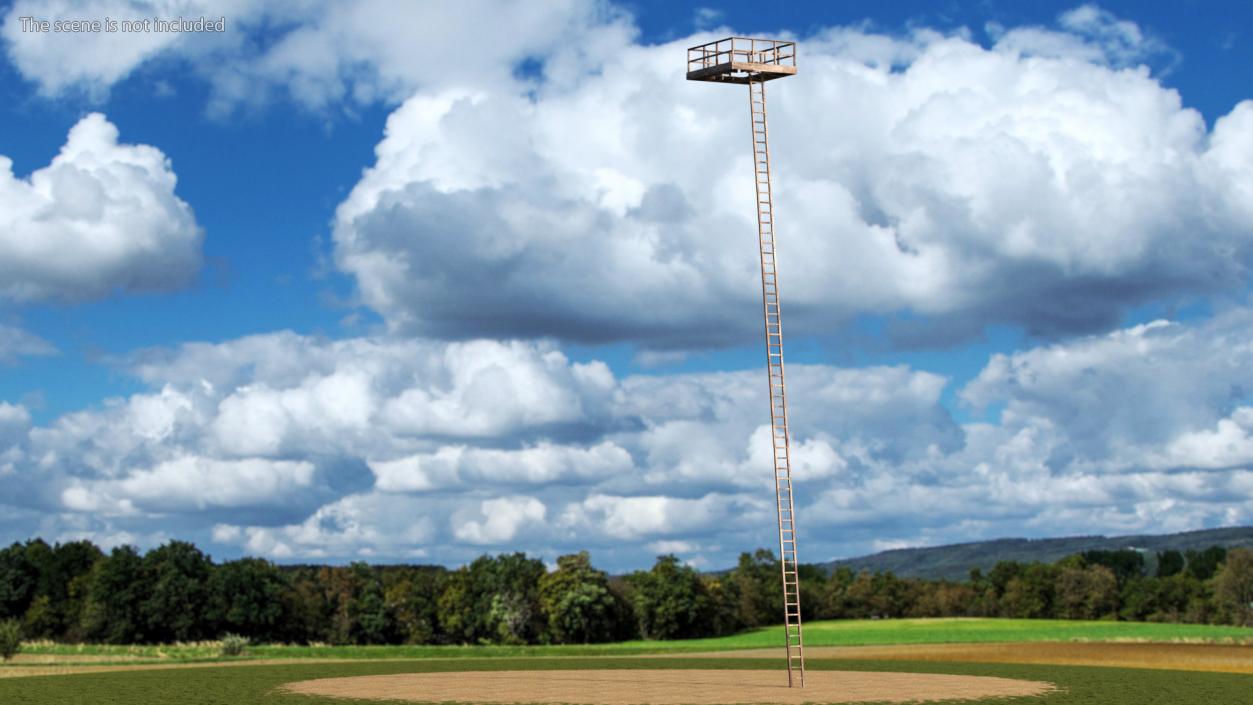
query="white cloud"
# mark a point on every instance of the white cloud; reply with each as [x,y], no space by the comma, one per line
[1120,398]
[970,186]
[495,387]
[1229,444]
[1090,34]
[500,520]
[259,420]
[669,546]
[359,525]
[140,431]
[13,415]
[1123,41]
[101,217]
[59,61]
[1135,430]
[419,473]
[1038,184]
[14,425]
[629,518]
[544,463]
[195,483]
[16,343]
[319,54]
[963,170]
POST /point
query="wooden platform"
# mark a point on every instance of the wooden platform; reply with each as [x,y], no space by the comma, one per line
[740,72]
[741,60]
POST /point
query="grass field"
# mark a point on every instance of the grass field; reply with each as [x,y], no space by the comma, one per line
[257,685]
[247,682]
[827,633]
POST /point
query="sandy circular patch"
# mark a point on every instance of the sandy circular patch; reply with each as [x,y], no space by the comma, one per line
[1218,658]
[665,687]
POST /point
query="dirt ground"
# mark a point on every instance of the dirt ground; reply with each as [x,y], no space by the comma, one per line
[665,687]
[1181,657]
[1185,657]
[45,666]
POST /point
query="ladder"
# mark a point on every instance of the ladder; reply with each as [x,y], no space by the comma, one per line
[786,510]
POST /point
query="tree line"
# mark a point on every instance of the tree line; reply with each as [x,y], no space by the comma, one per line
[74,592]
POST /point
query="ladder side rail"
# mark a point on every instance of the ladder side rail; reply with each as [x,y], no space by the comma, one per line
[772,318]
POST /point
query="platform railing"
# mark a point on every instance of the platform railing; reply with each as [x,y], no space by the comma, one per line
[741,50]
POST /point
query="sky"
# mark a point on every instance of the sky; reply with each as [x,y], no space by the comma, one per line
[414,282]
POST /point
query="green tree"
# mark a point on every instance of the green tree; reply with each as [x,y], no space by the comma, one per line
[371,619]
[512,580]
[1085,593]
[724,606]
[1031,593]
[176,579]
[413,600]
[835,599]
[1233,586]
[896,596]
[879,595]
[1126,564]
[112,612]
[72,563]
[1203,564]
[1161,599]
[1102,592]
[10,638]
[40,577]
[579,606]
[17,582]
[813,582]
[985,599]
[456,608]
[860,597]
[759,587]
[1169,562]
[246,598]
[42,559]
[946,599]
[338,585]
[1000,575]
[305,607]
[494,600]
[41,619]
[670,601]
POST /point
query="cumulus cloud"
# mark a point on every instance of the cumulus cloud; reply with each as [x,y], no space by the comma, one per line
[501,520]
[262,433]
[971,185]
[460,466]
[1229,444]
[1122,40]
[93,61]
[1118,396]
[318,54]
[588,195]
[102,217]
[1039,181]
[291,447]
[193,483]
[357,525]
[558,181]
[1091,33]
[629,518]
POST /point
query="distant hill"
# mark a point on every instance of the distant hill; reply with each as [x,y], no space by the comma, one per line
[955,561]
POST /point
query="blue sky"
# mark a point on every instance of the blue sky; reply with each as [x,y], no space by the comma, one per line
[315,290]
